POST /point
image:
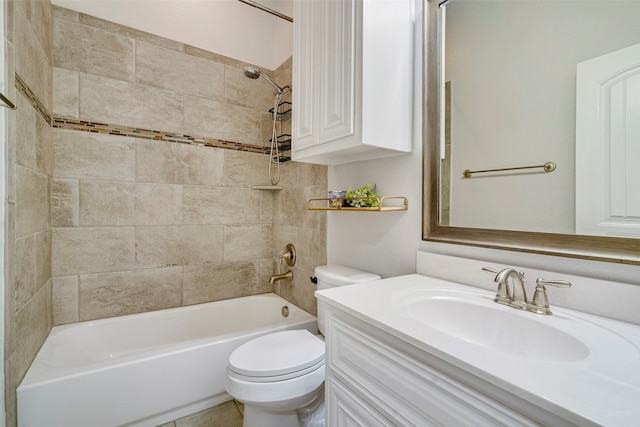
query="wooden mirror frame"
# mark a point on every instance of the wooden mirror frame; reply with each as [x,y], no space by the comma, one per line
[609,249]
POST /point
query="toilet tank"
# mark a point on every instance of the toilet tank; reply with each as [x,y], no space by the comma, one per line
[331,276]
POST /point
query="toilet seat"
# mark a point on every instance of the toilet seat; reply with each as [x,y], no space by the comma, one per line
[277,357]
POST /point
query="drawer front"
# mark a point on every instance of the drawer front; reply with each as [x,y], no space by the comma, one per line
[403,388]
[348,410]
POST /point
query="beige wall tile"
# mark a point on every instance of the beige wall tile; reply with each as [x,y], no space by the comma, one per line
[33,323]
[266,129]
[25,133]
[287,207]
[66,85]
[64,299]
[158,204]
[242,169]
[175,163]
[82,48]
[92,250]
[25,286]
[312,175]
[311,248]
[179,72]
[160,246]
[42,254]
[32,61]
[212,56]
[257,94]
[32,201]
[311,219]
[40,17]
[107,203]
[267,199]
[247,242]
[214,119]
[219,205]
[93,156]
[65,202]
[122,30]
[302,291]
[117,294]
[63,13]
[116,102]
[213,282]
[267,269]
[44,146]
[284,72]
[289,174]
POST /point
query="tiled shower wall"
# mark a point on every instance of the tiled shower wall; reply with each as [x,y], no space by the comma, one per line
[143,224]
[28,169]
[132,224]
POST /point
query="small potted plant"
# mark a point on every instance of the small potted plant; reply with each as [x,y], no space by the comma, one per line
[363,197]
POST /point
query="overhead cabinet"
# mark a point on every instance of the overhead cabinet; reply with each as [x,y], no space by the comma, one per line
[352,80]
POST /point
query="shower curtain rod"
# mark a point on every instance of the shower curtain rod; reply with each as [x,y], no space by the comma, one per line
[6,102]
[266,9]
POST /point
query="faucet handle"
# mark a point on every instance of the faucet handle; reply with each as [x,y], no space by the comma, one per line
[540,302]
[557,283]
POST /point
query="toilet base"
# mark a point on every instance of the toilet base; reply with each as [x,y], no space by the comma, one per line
[311,415]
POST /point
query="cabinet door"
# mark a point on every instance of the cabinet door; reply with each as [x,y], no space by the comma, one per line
[345,409]
[305,111]
[337,68]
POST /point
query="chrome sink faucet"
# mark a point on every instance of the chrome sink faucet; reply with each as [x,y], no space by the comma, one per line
[516,295]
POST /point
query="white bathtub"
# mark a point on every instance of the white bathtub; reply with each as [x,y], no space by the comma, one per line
[145,369]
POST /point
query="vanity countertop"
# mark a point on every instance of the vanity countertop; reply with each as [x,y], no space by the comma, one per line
[582,368]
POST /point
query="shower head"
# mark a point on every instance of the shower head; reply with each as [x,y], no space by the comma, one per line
[251,72]
[254,73]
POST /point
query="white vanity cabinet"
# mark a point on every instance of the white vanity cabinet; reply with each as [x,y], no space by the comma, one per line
[352,79]
[376,379]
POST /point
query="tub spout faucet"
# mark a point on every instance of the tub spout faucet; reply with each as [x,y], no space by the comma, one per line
[518,296]
[275,278]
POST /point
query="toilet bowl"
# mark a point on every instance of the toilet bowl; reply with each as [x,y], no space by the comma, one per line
[280,376]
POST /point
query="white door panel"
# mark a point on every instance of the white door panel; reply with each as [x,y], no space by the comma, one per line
[608,144]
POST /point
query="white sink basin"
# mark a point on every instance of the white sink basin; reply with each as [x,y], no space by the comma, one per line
[473,318]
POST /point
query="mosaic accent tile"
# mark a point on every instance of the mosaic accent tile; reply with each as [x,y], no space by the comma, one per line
[85,126]
[35,102]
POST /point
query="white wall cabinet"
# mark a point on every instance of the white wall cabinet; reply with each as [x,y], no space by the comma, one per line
[352,80]
[375,379]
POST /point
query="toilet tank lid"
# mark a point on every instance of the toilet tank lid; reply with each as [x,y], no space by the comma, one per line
[342,275]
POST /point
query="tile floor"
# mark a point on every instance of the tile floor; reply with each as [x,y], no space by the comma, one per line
[228,414]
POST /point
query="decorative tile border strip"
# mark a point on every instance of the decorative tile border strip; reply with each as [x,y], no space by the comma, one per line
[105,129]
[33,99]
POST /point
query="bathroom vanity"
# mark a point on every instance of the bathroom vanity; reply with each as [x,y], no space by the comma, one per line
[417,350]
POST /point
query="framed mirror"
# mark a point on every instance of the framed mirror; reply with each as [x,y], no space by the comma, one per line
[502,90]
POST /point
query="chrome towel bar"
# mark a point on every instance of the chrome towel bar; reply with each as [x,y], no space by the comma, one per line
[548,167]
[6,102]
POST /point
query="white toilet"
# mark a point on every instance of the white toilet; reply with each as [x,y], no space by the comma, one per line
[280,377]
